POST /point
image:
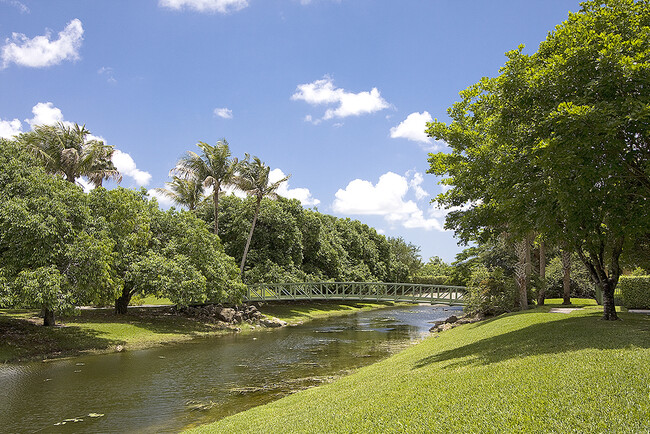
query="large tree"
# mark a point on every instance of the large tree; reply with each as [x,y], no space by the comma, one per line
[187,191]
[67,150]
[558,142]
[254,181]
[214,167]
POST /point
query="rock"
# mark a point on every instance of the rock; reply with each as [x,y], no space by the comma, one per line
[238,317]
[272,322]
[452,319]
[226,314]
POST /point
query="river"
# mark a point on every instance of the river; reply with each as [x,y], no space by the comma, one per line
[174,387]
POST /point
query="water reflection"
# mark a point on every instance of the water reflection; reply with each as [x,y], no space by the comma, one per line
[167,389]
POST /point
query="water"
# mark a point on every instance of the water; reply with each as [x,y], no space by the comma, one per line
[175,387]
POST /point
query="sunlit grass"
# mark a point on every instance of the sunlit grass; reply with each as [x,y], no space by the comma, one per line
[526,372]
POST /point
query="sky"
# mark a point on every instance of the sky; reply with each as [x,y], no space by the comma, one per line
[335,93]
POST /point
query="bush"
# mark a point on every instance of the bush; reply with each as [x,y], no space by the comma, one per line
[635,291]
[490,292]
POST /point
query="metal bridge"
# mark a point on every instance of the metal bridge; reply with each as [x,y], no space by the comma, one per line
[369,291]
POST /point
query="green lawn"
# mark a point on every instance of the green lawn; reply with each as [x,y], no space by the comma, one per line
[24,338]
[524,372]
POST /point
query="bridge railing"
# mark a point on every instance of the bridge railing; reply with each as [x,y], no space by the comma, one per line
[379,291]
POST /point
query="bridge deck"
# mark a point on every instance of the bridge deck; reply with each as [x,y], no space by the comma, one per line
[376,291]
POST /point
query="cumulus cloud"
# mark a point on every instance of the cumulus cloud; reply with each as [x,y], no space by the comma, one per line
[416,184]
[302,194]
[323,92]
[45,113]
[387,198]
[8,129]
[41,51]
[125,164]
[161,198]
[223,112]
[412,128]
[221,6]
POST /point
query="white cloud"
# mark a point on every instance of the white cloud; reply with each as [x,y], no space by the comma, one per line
[18,5]
[323,92]
[161,198]
[228,190]
[125,164]
[107,72]
[302,194]
[223,112]
[45,114]
[40,51]
[221,6]
[387,199]
[8,129]
[412,128]
[416,184]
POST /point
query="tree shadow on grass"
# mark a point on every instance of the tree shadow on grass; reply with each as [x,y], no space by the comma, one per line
[24,340]
[575,332]
[156,320]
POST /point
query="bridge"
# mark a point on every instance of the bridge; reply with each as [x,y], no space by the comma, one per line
[357,291]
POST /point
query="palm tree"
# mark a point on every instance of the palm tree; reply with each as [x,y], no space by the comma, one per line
[213,168]
[254,180]
[65,150]
[184,191]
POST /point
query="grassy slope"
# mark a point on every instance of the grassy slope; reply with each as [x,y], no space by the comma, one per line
[24,338]
[524,372]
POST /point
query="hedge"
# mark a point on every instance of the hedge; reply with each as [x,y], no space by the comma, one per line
[635,291]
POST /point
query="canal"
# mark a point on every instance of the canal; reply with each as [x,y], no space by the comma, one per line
[174,387]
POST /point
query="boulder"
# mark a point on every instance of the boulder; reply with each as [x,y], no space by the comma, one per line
[272,322]
[226,314]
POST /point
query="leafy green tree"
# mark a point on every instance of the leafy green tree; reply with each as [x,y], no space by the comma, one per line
[67,151]
[254,181]
[213,167]
[405,260]
[186,191]
[51,257]
[558,142]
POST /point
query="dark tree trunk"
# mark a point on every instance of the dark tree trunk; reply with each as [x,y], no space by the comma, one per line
[48,317]
[566,277]
[521,273]
[541,295]
[609,307]
[122,303]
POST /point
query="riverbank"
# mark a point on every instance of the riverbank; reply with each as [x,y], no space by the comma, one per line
[101,331]
[534,371]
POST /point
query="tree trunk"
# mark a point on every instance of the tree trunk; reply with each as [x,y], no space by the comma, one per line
[609,307]
[122,303]
[520,273]
[541,295]
[215,199]
[566,278]
[250,236]
[48,317]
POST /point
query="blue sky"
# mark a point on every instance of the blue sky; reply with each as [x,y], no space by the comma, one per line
[334,93]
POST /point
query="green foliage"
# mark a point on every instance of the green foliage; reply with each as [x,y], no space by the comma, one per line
[635,291]
[490,292]
[581,284]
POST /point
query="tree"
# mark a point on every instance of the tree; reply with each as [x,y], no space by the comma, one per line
[558,142]
[49,254]
[66,150]
[213,167]
[186,191]
[254,181]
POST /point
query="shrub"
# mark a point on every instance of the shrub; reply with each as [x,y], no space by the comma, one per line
[490,292]
[635,291]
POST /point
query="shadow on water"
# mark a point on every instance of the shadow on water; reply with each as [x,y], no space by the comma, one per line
[562,335]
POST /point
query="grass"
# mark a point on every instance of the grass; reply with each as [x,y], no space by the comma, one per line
[24,338]
[525,372]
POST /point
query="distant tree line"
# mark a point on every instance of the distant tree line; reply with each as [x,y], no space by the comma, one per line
[61,247]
